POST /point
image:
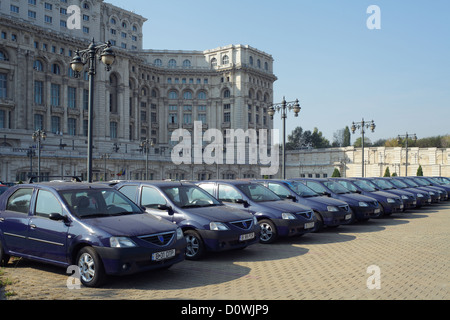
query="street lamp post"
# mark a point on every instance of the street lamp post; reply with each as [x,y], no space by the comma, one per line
[406,136]
[145,145]
[284,107]
[88,56]
[38,136]
[363,125]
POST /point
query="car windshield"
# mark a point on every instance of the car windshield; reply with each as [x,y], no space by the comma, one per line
[302,190]
[364,185]
[336,187]
[399,184]
[93,203]
[190,197]
[410,183]
[421,182]
[258,193]
[383,184]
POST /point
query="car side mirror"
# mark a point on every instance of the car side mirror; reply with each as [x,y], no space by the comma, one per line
[326,194]
[58,217]
[165,207]
[242,201]
[290,196]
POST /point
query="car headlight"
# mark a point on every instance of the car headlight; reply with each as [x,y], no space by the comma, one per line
[419,195]
[121,242]
[390,200]
[363,204]
[180,234]
[405,197]
[332,208]
[288,216]
[431,193]
[217,226]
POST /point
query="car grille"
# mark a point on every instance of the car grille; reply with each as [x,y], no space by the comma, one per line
[305,214]
[344,207]
[159,239]
[243,224]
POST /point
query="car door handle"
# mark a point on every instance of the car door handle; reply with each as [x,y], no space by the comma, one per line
[32,226]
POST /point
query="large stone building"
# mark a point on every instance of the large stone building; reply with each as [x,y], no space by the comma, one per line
[147,94]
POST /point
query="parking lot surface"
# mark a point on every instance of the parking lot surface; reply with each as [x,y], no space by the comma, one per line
[405,256]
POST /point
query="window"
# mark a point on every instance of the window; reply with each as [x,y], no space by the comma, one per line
[157,62]
[20,201]
[48,19]
[226,93]
[187,118]
[72,98]
[225,59]
[226,117]
[187,95]
[85,30]
[14,9]
[281,191]
[201,95]
[48,6]
[72,126]
[38,92]
[173,95]
[31,14]
[38,122]
[186,63]
[129,191]
[85,99]
[113,130]
[228,193]
[172,63]
[213,62]
[3,56]
[2,119]
[56,69]
[55,96]
[3,86]
[56,124]
[46,204]
[151,198]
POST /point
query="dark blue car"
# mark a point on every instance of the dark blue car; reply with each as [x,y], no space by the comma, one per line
[363,207]
[329,212]
[207,224]
[276,217]
[91,226]
[390,203]
[409,198]
[423,195]
[444,190]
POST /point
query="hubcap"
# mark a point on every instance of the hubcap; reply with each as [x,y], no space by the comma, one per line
[266,232]
[87,267]
[193,246]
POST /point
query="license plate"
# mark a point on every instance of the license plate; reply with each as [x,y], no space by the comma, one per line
[377,210]
[348,216]
[309,225]
[163,255]
[245,237]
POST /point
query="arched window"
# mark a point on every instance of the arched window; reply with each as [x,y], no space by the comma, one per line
[225,59]
[154,94]
[157,62]
[56,69]
[187,63]
[113,96]
[226,93]
[173,94]
[251,60]
[113,21]
[266,66]
[258,63]
[38,66]
[172,63]
[201,95]
[3,56]
[213,62]
[187,95]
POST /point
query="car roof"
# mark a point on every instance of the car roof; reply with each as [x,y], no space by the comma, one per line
[159,183]
[233,182]
[64,185]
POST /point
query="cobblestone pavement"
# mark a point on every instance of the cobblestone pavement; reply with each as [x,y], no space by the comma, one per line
[411,250]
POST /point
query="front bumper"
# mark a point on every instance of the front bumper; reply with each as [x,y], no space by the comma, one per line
[224,240]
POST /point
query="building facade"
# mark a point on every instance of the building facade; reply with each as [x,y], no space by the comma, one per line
[147,95]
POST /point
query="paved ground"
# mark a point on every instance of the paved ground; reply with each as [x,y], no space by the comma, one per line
[411,252]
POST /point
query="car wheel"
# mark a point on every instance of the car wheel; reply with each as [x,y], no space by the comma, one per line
[268,231]
[4,258]
[319,222]
[91,267]
[195,247]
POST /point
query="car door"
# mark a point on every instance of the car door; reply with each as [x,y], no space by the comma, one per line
[15,219]
[151,198]
[229,195]
[48,238]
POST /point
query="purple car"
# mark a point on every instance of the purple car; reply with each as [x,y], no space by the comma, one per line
[92,226]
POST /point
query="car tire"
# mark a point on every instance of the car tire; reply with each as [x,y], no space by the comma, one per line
[92,273]
[319,222]
[195,247]
[268,232]
[4,258]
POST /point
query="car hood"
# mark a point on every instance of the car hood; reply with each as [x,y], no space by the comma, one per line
[130,225]
[219,213]
[327,200]
[356,197]
[284,206]
[383,194]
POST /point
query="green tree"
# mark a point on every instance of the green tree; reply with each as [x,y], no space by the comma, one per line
[419,171]
[336,173]
[358,142]
[387,172]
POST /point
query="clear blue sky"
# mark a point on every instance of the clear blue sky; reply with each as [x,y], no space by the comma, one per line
[325,56]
